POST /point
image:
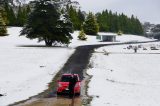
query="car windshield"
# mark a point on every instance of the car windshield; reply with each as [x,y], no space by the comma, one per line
[65,78]
[76,78]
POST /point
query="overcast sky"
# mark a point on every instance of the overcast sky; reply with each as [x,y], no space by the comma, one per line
[145,10]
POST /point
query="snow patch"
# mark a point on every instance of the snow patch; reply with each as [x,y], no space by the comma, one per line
[125,78]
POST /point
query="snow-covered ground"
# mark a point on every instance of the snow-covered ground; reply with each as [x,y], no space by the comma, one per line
[92,39]
[125,78]
[131,38]
[26,68]
[26,71]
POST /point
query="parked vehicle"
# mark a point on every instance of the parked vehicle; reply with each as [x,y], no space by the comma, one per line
[63,84]
[153,48]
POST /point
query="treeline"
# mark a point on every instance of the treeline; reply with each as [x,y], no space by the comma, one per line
[113,22]
[107,20]
[77,17]
[16,16]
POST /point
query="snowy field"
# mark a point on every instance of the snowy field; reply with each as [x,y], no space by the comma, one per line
[26,71]
[26,68]
[119,39]
[125,78]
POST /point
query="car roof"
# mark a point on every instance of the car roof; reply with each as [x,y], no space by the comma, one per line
[66,74]
[69,74]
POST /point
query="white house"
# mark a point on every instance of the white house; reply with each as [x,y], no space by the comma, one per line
[107,37]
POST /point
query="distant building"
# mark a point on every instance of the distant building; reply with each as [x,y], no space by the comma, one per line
[107,37]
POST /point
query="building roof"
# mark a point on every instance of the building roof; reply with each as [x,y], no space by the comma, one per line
[107,34]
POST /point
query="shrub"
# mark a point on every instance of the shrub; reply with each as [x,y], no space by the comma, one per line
[119,33]
[82,35]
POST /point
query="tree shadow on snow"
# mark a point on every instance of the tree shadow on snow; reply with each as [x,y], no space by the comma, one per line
[130,53]
[41,46]
[125,53]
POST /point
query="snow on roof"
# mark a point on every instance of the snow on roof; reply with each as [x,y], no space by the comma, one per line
[107,34]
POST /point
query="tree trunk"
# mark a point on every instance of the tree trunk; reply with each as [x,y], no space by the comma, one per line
[48,42]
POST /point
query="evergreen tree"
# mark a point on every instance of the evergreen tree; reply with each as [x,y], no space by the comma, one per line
[24,15]
[139,28]
[28,10]
[119,32]
[47,24]
[90,25]
[81,19]
[102,21]
[82,35]
[3,13]
[113,22]
[3,20]
[109,21]
[7,10]
[74,17]
[3,30]
[20,17]
[11,18]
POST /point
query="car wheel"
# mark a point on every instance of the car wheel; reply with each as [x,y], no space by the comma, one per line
[78,94]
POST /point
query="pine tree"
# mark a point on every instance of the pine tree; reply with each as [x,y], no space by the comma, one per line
[28,10]
[102,21]
[3,13]
[74,17]
[81,19]
[113,22]
[3,29]
[7,10]
[109,21]
[47,24]
[12,17]
[24,15]
[90,25]
[139,28]
[82,35]
[20,17]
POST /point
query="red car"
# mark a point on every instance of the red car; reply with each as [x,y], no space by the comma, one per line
[63,84]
